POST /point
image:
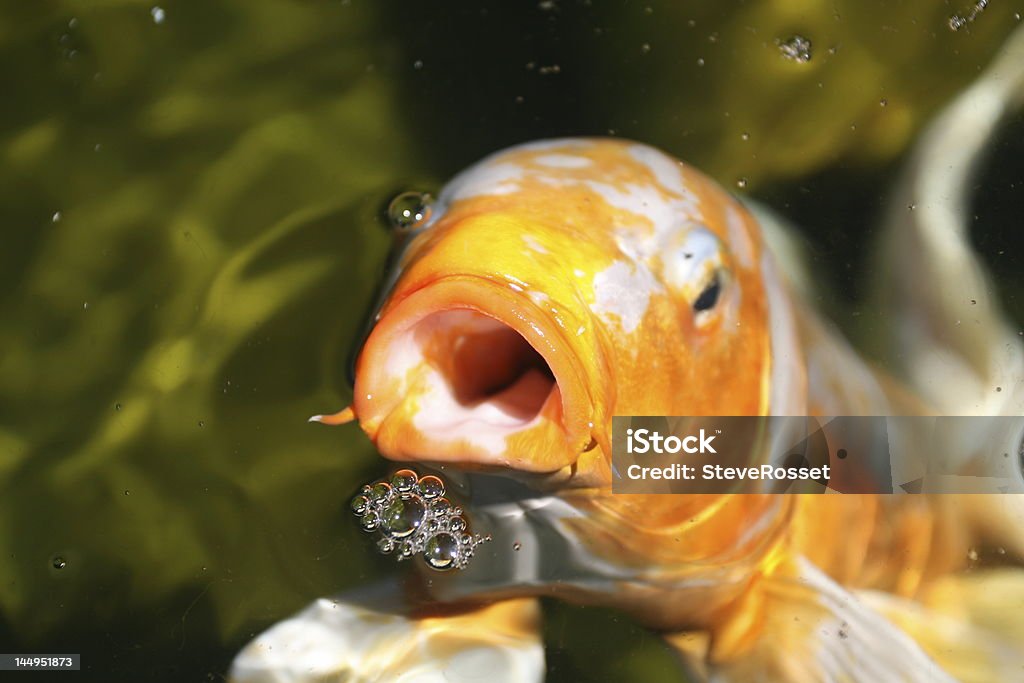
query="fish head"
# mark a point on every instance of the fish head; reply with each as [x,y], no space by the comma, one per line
[557,284]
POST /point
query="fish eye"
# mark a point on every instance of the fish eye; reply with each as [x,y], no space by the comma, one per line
[710,295]
[410,210]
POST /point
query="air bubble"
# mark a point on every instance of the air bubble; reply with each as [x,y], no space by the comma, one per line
[370,522]
[403,517]
[380,492]
[403,480]
[431,487]
[441,551]
[796,48]
[158,15]
[741,183]
[59,562]
[958,21]
[360,505]
[410,210]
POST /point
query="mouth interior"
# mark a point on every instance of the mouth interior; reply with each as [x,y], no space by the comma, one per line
[484,375]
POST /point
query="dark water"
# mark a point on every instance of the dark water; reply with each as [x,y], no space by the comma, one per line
[191,232]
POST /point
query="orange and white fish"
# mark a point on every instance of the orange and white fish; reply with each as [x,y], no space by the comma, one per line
[558,283]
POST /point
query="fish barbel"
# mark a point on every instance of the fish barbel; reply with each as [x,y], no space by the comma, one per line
[558,283]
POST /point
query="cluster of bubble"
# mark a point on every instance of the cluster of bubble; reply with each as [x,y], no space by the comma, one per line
[795,48]
[412,517]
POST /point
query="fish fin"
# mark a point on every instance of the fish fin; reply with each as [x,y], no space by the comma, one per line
[374,636]
[343,416]
[951,338]
[972,624]
[797,625]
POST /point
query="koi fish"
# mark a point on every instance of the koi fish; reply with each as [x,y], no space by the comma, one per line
[558,283]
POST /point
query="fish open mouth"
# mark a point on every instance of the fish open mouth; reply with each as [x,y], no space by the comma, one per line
[459,372]
[488,372]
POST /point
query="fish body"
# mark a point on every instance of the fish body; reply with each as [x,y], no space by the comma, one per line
[559,283]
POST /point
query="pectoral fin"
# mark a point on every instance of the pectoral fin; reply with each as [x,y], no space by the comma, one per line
[972,624]
[797,625]
[373,636]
